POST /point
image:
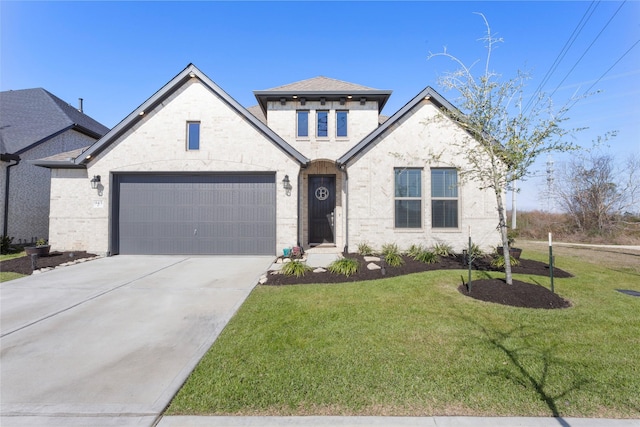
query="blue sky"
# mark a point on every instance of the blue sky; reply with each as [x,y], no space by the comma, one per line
[117,54]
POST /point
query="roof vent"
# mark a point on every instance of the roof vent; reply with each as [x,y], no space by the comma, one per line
[80,107]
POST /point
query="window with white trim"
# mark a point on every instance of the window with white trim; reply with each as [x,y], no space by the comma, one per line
[444,198]
[408,198]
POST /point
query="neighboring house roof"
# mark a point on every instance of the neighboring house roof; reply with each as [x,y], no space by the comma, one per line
[191,71]
[322,87]
[370,140]
[29,117]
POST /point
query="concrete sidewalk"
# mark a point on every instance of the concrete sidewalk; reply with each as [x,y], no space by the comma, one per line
[393,422]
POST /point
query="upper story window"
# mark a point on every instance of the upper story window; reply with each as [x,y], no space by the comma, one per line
[302,124]
[193,135]
[322,123]
[341,123]
[444,198]
[408,198]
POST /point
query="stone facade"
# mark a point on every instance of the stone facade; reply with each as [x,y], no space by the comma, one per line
[415,142]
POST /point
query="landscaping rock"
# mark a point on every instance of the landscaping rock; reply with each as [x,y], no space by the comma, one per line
[373,266]
[320,270]
[372,259]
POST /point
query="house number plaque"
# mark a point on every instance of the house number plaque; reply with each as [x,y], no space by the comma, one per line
[322,193]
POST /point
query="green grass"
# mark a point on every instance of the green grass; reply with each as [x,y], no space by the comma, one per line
[5,257]
[5,276]
[414,345]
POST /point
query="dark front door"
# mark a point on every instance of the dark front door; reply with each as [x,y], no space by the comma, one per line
[322,204]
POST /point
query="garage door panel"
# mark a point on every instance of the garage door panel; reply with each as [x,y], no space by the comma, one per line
[196,214]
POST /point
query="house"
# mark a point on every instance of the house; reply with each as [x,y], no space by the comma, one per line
[34,124]
[191,171]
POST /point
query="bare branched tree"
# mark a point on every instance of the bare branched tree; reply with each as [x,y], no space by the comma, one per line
[509,139]
[597,194]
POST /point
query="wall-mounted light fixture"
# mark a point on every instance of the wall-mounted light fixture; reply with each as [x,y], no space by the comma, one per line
[95,182]
[362,101]
[286,184]
[342,100]
[283,101]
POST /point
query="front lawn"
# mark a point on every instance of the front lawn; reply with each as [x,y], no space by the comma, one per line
[413,345]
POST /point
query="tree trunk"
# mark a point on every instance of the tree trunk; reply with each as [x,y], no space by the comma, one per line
[505,240]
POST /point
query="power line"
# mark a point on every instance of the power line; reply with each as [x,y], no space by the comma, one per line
[603,74]
[563,52]
[588,48]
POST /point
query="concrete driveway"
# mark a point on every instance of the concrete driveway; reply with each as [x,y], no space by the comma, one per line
[110,341]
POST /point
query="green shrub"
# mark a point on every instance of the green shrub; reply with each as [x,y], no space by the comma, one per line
[344,266]
[442,249]
[295,268]
[427,257]
[476,252]
[498,261]
[364,249]
[414,250]
[392,255]
[5,244]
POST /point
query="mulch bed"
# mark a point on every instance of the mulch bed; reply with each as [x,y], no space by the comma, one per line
[520,294]
[22,265]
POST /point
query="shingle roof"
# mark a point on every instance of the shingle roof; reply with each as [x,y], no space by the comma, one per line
[321,83]
[257,111]
[31,116]
[319,88]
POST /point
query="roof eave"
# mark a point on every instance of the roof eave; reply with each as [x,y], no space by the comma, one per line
[263,96]
[427,93]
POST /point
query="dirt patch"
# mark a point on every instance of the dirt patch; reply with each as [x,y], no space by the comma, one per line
[23,265]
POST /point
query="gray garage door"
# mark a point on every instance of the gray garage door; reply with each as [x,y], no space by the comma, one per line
[194,214]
